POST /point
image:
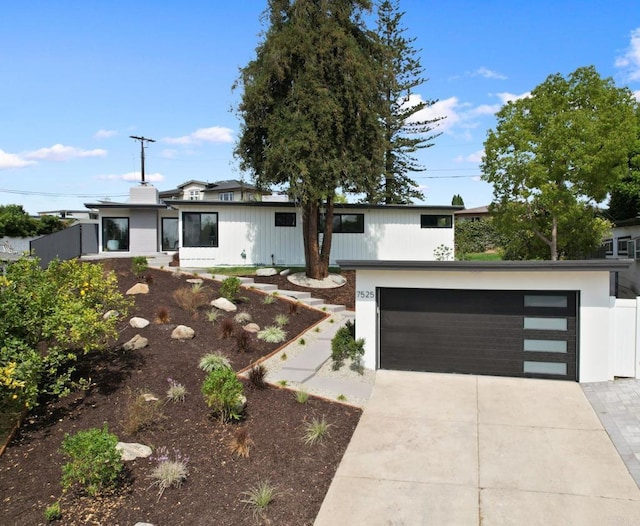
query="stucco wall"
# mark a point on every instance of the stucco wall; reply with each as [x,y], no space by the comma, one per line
[595,357]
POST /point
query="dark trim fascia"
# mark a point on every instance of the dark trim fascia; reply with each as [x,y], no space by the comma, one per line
[586,265]
[289,204]
[126,205]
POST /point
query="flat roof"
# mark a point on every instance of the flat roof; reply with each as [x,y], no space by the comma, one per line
[289,204]
[489,266]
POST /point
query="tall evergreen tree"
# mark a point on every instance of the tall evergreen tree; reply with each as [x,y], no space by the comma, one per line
[404,133]
[310,111]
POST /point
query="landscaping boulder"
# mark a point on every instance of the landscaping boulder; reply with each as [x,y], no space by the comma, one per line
[131,450]
[110,314]
[138,288]
[135,343]
[251,327]
[266,272]
[182,332]
[149,397]
[138,323]
[224,304]
[285,272]
[195,281]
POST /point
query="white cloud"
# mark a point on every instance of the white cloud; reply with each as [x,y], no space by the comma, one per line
[60,152]
[214,134]
[636,94]
[486,109]
[11,160]
[488,74]
[168,153]
[630,61]
[511,97]
[475,157]
[105,134]
[447,110]
[132,176]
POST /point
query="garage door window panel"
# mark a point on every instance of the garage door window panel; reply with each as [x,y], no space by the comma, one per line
[545,324]
[553,368]
[559,346]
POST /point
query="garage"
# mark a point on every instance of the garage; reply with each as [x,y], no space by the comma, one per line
[490,332]
[535,319]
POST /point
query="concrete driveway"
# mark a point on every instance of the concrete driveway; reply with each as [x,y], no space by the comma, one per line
[464,450]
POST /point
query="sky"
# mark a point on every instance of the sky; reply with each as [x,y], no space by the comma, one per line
[79,77]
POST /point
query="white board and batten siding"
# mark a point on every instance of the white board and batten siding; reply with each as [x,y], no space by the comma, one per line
[393,233]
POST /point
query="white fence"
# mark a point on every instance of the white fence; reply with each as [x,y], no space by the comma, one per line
[623,337]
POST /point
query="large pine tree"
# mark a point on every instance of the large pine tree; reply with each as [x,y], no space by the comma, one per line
[405,134]
[310,111]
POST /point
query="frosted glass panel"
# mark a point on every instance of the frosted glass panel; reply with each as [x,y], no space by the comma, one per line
[546,324]
[545,368]
[545,301]
[545,346]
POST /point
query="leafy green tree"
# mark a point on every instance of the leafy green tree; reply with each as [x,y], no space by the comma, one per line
[624,201]
[404,135]
[552,156]
[49,225]
[15,222]
[475,236]
[310,112]
[457,200]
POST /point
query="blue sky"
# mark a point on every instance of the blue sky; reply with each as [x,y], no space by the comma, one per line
[77,78]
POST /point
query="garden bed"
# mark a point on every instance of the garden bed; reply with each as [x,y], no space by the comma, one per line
[30,469]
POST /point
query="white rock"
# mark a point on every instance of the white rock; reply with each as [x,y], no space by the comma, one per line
[138,288]
[138,323]
[266,272]
[137,342]
[224,304]
[252,327]
[111,314]
[285,272]
[195,281]
[143,524]
[131,450]
[182,332]
[149,397]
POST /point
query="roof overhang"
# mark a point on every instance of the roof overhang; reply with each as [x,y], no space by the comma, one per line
[587,265]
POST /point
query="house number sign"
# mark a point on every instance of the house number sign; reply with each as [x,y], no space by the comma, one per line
[365,295]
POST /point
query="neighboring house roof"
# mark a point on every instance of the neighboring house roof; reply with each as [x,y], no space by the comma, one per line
[337,207]
[217,186]
[192,181]
[480,210]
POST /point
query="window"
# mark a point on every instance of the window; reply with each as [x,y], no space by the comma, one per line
[199,229]
[623,246]
[225,196]
[607,244]
[285,219]
[169,233]
[435,221]
[345,223]
[115,233]
[195,195]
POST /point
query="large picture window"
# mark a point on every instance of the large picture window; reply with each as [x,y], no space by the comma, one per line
[200,229]
[115,233]
[435,221]
[285,219]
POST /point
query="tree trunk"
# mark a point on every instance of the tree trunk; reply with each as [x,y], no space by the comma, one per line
[554,239]
[316,261]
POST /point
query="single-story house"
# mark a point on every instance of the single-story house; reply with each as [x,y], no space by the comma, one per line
[537,319]
[625,243]
[220,225]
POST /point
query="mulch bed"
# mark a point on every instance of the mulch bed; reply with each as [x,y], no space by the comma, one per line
[30,469]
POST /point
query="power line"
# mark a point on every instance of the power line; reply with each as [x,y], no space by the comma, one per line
[53,194]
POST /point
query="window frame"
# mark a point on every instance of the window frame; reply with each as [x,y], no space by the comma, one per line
[195,194]
[225,196]
[447,217]
[286,223]
[607,244]
[189,243]
[625,243]
[122,247]
[338,223]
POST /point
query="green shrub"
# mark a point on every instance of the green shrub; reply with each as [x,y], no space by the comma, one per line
[53,512]
[212,361]
[301,396]
[139,265]
[230,288]
[50,318]
[344,346]
[222,392]
[94,462]
[272,334]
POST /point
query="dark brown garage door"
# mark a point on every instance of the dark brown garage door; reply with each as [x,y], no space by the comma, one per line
[495,332]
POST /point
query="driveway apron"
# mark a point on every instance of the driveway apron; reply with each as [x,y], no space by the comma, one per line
[444,449]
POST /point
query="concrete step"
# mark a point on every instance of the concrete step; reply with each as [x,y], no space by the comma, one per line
[265,287]
[296,294]
[332,308]
[312,302]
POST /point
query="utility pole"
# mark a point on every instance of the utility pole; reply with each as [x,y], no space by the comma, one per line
[142,141]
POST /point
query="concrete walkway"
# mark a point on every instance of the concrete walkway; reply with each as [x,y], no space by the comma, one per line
[469,450]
